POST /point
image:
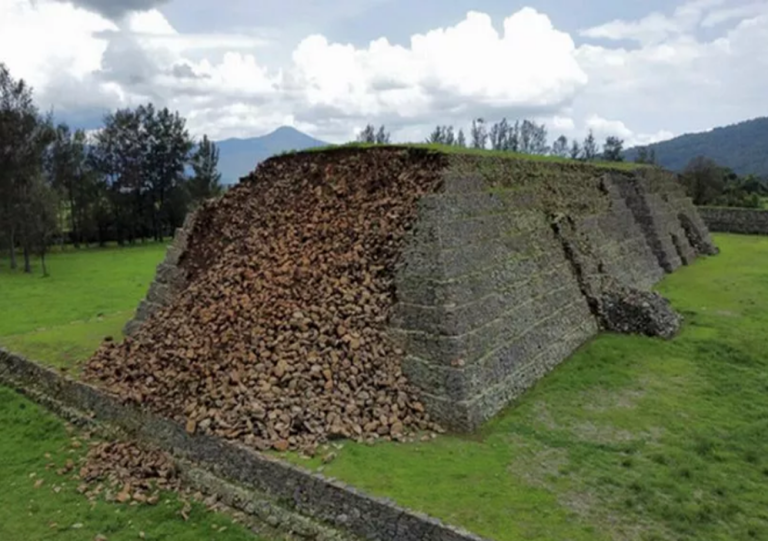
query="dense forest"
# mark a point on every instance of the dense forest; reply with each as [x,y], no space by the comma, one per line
[126,182]
[709,183]
[741,147]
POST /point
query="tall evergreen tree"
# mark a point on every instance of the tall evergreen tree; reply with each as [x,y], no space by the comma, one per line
[479,134]
[24,136]
[368,135]
[449,138]
[167,153]
[527,129]
[613,149]
[575,152]
[436,137]
[513,138]
[560,147]
[539,143]
[206,179]
[382,136]
[461,140]
[42,221]
[589,148]
[67,170]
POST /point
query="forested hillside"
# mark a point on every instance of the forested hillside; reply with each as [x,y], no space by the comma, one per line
[742,147]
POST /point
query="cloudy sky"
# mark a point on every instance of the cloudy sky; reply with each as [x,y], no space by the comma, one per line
[644,71]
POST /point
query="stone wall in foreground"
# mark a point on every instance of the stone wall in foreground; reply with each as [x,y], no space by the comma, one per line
[262,484]
[735,220]
[508,268]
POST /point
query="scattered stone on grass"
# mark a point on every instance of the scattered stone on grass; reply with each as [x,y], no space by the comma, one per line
[125,472]
[632,311]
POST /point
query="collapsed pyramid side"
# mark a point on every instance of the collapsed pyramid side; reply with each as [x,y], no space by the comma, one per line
[448,286]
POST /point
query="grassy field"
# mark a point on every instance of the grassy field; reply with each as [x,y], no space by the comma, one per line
[38,504]
[90,294]
[631,438]
[60,320]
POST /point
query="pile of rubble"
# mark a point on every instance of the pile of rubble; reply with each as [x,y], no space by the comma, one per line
[125,472]
[632,311]
[279,339]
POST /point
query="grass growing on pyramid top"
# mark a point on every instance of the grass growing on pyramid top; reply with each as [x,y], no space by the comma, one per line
[452,150]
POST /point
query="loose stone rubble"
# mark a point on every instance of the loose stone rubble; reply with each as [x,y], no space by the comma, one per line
[279,338]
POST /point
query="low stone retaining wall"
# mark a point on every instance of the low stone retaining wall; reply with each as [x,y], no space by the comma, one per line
[169,277]
[735,220]
[324,500]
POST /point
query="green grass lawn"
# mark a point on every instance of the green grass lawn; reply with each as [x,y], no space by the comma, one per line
[631,438]
[37,504]
[90,294]
[60,320]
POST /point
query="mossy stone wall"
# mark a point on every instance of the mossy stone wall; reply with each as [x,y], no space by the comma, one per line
[735,220]
[489,299]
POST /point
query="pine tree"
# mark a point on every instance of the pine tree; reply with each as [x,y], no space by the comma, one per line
[479,135]
[461,140]
[589,151]
[382,136]
[613,149]
[560,147]
[436,137]
[575,152]
[368,135]
[206,179]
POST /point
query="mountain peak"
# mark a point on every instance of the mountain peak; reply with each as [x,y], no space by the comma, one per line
[238,157]
[283,130]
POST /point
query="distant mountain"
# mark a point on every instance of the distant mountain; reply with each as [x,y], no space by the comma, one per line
[742,147]
[238,157]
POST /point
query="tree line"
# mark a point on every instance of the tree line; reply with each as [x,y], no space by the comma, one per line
[705,181]
[711,184]
[524,137]
[133,179]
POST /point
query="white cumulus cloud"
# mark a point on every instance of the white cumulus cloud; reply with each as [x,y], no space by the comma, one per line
[40,42]
[699,64]
[450,73]
[603,128]
[655,27]
[530,65]
[681,82]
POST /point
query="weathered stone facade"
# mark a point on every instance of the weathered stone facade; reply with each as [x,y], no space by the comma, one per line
[735,220]
[502,281]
